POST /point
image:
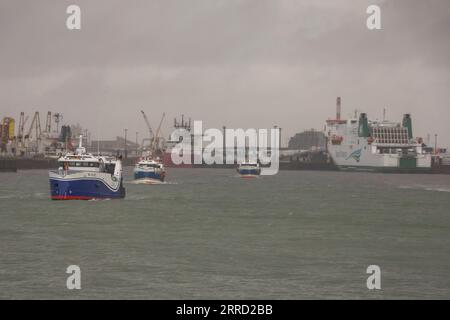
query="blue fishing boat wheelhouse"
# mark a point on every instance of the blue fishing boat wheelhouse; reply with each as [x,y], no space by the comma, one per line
[82,176]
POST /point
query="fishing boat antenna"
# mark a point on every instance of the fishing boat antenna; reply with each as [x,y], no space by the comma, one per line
[81,150]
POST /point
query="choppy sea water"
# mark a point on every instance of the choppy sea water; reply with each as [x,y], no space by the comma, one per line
[209,234]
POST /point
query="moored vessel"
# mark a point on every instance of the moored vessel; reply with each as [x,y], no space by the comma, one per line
[170,145]
[359,144]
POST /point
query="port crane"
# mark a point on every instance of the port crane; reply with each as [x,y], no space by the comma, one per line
[20,143]
[155,140]
[34,133]
[48,122]
[21,129]
[36,124]
[58,117]
[149,127]
[35,139]
[158,141]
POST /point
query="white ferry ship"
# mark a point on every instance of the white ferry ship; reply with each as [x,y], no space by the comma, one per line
[82,176]
[362,145]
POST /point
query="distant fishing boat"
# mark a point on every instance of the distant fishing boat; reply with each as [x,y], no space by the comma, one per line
[249,169]
[83,176]
[150,170]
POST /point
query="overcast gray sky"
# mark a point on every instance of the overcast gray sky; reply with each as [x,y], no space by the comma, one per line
[242,63]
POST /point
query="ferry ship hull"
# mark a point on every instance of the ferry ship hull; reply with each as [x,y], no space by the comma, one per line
[383,169]
[79,187]
[363,159]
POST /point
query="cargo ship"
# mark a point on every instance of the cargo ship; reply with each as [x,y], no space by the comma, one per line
[170,144]
[359,144]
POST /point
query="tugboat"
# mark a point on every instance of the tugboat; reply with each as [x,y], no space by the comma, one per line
[83,176]
[149,170]
[249,169]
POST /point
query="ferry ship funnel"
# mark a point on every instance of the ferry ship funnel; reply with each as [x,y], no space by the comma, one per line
[363,126]
[407,123]
[338,108]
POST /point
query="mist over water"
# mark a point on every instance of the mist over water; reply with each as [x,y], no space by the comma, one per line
[209,234]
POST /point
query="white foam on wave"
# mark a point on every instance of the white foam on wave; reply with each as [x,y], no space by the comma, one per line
[246,176]
[151,182]
[438,189]
[99,199]
[426,188]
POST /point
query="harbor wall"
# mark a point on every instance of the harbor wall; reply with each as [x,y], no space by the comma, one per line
[298,165]
[8,165]
[440,169]
[28,164]
[14,164]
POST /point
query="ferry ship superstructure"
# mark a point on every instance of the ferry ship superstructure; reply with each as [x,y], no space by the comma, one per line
[362,145]
[83,176]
